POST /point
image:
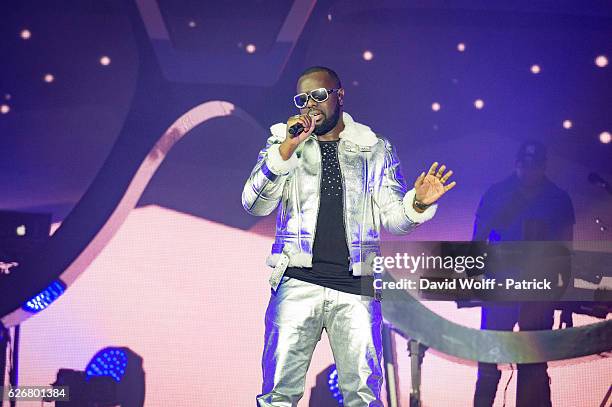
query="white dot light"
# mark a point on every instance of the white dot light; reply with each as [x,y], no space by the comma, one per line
[192,24]
[535,69]
[7,96]
[25,34]
[605,137]
[367,55]
[49,78]
[435,106]
[250,48]
[329,17]
[567,124]
[478,103]
[601,61]
[461,47]
[105,60]
[21,230]
[4,109]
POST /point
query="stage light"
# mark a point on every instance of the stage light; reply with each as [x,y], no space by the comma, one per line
[108,362]
[601,61]
[42,300]
[250,48]
[4,109]
[605,137]
[332,381]
[567,124]
[435,106]
[355,83]
[25,34]
[367,55]
[192,24]
[114,376]
[7,96]
[21,230]
[124,366]
[329,17]
[478,104]
[105,60]
[49,78]
[535,69]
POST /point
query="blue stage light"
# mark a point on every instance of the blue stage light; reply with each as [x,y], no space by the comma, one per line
[41,301]
[113,377]
[332,381]
[110,362]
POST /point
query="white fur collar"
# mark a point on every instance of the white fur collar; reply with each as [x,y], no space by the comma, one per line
[354,132]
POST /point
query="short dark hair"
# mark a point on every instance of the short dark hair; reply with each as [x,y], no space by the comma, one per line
[325,69]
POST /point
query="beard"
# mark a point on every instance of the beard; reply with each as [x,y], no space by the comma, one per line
[329,123]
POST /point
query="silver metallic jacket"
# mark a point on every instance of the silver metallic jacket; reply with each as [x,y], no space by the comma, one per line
[374,192]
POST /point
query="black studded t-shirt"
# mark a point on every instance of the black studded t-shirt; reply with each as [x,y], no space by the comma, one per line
[330,255]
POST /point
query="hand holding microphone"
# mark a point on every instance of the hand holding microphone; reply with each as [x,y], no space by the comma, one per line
[299,127]
[296,129]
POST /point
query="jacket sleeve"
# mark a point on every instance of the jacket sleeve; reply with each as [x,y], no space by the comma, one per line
[393,199]
[264,187]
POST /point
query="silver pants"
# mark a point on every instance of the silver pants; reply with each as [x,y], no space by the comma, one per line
[296,316]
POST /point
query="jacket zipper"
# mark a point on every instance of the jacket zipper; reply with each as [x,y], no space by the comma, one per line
[297,203]
[314,233]
[371,189]
[348,244]
[285,200]
[365,200]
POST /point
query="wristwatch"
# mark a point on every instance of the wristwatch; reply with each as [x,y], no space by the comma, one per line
[420,205]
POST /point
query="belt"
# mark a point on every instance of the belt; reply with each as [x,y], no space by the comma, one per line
[279,270]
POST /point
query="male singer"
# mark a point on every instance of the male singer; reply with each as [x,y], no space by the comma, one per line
[336,181]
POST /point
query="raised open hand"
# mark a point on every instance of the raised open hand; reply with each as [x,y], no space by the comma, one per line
[430,187]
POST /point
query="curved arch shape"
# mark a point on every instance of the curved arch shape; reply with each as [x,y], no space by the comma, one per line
[136,186]
[412,319]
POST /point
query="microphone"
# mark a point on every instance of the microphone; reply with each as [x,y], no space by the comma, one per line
[596,179]
[296,129]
